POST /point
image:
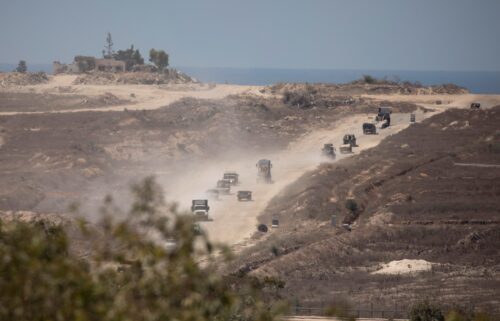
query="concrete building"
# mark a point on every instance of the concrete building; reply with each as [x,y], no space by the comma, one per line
[59,68]
[110,65]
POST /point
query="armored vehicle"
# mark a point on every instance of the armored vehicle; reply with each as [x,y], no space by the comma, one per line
[233,177]
[369,129]
[275,222]
[387,122]
[328,151]
[224,186]
[345,149]
[412,117]
[475,106]
[244,196]
[383,113]
[350,139]
[264,171]
[200,209]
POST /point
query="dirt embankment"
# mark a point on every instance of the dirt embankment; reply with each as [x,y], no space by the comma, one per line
[49,159]
[412,203]
[170,76]
[361,88]
[10,79]
[25,102]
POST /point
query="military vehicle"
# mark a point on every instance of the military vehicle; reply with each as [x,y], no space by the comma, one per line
[212,194]
[369,129]
[475,106]
[387,122]
[328,151]
[224,186]
[233,177]
[200,209]
[350,139]
[264,171]
[244,196]
[275,222]
[345,149]
[383,113]
[412,117]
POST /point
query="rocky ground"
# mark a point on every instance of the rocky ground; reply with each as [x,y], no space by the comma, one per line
[429,194]
[422,195]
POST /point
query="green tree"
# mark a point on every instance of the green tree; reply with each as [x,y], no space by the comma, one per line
[22,67]
[369,79]
[351,205]
[130,56]
[85,63]
[143,265]
[159,58]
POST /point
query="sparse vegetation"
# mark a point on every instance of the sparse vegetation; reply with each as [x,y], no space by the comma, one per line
[85,63]
[131,57]
[22,67]
[426,311]
[131,275]
[159,58]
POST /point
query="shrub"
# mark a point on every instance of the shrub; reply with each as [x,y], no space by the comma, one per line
[22,67]
[367,79]
[144,267]
[426,311]
[351,205]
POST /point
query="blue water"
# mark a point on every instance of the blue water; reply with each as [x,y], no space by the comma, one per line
[487,82]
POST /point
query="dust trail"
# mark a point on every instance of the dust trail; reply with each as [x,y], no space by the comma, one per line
[234,222]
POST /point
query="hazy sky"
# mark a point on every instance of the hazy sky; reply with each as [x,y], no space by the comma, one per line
[348,34]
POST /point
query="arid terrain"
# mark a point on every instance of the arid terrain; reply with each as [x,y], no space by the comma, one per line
[427,193]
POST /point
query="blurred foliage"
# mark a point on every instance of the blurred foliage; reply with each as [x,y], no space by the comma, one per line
[426,311]
[351,205]
[145,265]
[22,67]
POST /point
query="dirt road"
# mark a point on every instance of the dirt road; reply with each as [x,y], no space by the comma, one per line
[141,97]
[234,222]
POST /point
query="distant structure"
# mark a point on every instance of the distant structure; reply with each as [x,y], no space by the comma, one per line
[59,68]
[107,65]
[110,65]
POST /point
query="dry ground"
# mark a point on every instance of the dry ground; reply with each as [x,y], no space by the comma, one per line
[415,199]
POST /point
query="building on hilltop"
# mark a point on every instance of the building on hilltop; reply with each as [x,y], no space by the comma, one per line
[89,64]
[110,65]
[59,68]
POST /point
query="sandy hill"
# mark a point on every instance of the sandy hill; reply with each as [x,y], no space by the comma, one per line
[428,195]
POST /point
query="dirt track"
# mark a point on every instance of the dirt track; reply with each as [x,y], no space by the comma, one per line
[234,222]
[145,97]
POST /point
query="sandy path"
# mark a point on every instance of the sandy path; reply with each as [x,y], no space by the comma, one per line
[146,97]
[234,222]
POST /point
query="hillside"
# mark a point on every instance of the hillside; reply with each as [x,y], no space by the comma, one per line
[429,193]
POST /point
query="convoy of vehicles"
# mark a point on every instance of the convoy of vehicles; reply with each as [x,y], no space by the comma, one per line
[328,151]
[264,171]
[233,178]
[200,209]
[350,139]
[244,196]
[383,113]
[369,129]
